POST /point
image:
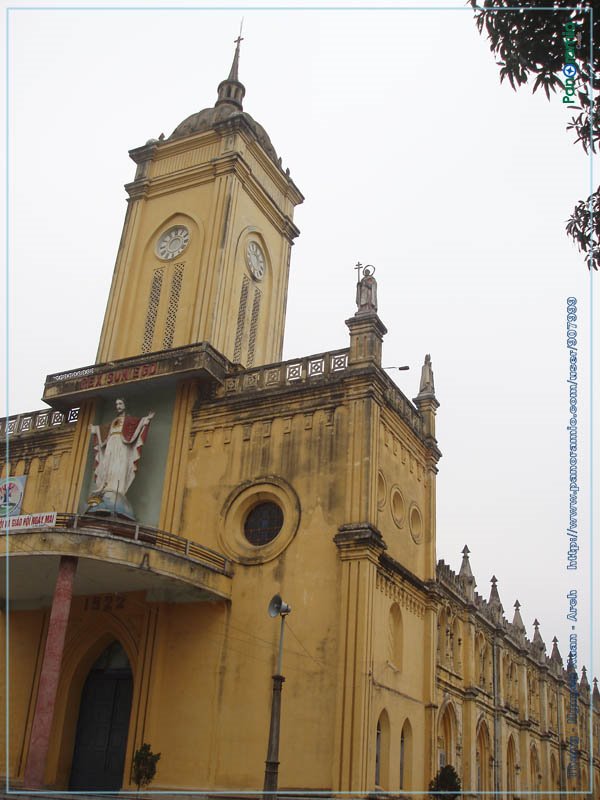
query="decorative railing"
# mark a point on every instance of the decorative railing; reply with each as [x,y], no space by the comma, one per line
[287,373]
[37,421]
[145,535]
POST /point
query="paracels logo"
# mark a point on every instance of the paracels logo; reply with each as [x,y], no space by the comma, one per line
[11,496]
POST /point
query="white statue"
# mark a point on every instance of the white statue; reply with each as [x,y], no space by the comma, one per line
[117,450]
[366,293]
[426,386]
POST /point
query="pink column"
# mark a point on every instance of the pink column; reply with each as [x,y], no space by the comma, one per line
[55,641]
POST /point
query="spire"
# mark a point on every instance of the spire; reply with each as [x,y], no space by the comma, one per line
[518,621]
[570,664]
[231,90]
[465,567]
[233,72]
[584,683]
[596,693]
[494,602]
[537,642]
[555,654]
[426,400]
[465,575]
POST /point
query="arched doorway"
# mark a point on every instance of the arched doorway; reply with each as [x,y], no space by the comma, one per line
[101,738]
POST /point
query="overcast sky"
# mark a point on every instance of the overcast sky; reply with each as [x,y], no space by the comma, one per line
[412,157]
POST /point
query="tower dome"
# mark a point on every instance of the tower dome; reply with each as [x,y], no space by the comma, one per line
[230,94]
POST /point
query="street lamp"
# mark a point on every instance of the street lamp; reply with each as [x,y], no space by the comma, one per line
[276,608]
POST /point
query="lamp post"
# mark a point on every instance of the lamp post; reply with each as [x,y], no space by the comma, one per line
[276,608]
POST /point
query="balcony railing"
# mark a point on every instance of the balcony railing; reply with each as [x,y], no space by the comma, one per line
[36,421]
[287,373]
[145,535]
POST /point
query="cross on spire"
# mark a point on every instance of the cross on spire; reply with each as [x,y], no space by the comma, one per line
[240,38]
[231,91]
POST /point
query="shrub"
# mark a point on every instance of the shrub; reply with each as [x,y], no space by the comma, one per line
[446,784]
[144,766]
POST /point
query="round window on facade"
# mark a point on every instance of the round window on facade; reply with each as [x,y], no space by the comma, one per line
[416,524]
[263,523]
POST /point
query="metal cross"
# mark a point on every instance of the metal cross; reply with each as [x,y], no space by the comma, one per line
[240,38]
[358,268]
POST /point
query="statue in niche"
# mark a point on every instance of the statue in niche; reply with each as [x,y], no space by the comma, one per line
[117,451]
[366,291]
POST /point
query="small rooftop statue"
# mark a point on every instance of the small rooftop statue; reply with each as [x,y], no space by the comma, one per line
[426,385]
[366,290]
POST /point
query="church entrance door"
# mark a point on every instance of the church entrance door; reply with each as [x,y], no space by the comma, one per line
[101,738]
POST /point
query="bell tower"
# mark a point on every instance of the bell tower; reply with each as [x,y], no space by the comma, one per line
[205,249]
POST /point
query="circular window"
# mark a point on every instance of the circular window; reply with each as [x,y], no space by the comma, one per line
[398,506]
[416,524]
[259,519]
[263,523]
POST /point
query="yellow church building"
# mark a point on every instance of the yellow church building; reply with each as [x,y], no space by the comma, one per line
[171,489]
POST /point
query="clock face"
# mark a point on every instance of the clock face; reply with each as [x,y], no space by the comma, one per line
[172,242]
[255,260]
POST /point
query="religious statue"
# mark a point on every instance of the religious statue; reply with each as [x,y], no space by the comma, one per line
[117,450]
[366,291]
[426,385]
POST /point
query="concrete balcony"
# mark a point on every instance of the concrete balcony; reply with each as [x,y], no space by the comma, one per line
[115,556]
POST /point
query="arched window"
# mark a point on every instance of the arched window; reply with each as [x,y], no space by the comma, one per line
[508,678]
[485,663]
[443,637]
[554,780]
[447,737]
[533,696]
[402,758]
[406,756]
[482,756]
[511,768]
[457,645]
[382,751]
[534,769]
[395,637]
[378,754]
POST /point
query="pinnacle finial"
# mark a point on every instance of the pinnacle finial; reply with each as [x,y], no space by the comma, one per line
[233,72]
[518,620]
[231,90]
[555,655]
[465,567]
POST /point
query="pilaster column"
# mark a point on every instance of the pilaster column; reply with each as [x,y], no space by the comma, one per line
[53,653]
[359,546]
